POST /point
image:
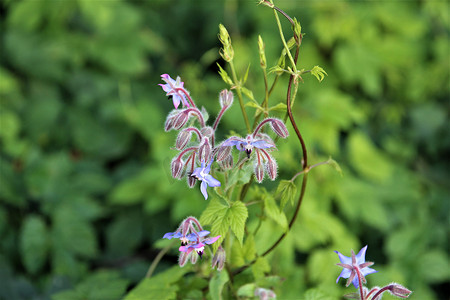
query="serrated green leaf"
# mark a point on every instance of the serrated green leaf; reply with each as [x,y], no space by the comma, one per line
[272,211]
[319,73]
[279,107]
[34,243]
[247,290]
[260,267]
[247,93]
[224,75]
[215,210]
[286,190]
[237,215]
[249,250]
[216,285]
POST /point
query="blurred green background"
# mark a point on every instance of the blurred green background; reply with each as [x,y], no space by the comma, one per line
[85,186]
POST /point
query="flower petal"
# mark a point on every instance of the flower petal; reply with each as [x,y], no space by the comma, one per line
[203,187]
[211,181]
[361,256]
[232,141]
[344,259]
[261,144]
[211,240]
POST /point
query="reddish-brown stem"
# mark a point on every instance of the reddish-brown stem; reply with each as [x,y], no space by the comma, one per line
[187,95]
[361,290]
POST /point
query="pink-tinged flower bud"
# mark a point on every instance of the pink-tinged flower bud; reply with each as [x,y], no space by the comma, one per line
[191,181]
[182,139]
[207,131]
[264,294]
[223,153]
[194,258]
[227,163]
[279,128]
[226,98]
[180,120]
[399,290]
[219,259]
[271,168]
[176,167]
[259,172]
[182,259]
[204,150]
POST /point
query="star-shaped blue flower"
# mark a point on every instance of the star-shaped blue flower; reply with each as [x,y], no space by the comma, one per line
[173,89]
[354,265]
[247,144]
[202,173]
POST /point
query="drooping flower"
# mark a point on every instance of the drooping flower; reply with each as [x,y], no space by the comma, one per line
[354,265]
[202,173]
[218,259]
[174,89]
[199,247]
[247,144]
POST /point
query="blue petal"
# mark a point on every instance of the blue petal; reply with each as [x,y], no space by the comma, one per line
[203,233]
[171,235]
[262,144]
[211,181]
[344,259]
[203,189]
[208,167]
[361,256]
[367,271]
[233,141]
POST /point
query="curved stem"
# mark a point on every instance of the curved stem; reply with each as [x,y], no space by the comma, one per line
[187,95]
[157,259]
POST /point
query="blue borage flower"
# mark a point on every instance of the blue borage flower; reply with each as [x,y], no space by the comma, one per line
[185,239]
[354,265]
[248,144]
[175,89]
[202,173]
[198,247]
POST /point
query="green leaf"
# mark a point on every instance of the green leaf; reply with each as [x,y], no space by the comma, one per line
[34,243]
[214,211]
[244,80]
[272,211]
[260,267]
[247,290]
[249,250]
[217,283]
[237,215]
[224,75]
[279,107]
[286,190]
[248,93]
[335,165]
[100,286]
[240,175]
[161,286]
[319,73]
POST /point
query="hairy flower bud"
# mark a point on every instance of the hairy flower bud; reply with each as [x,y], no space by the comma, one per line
[227,163]
[176,167]
[271,167]
[226,98]
[279,128]
[264,294]
[207,131]
[259,172]
[219,259]
[180,120]
[204,150]
[398,290]
[223,153]
[182,139]
[182,259]
[168,125]
[262,55]
[193,258]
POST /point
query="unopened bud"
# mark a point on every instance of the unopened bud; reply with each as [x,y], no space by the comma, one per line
[226,98]
[227,51]
[264,294]
[180,120]
[399,290]
[204,150]
[182,259]
[259,172]
[168,125]
[223,153]
[227,163]
[279,128]
[271,168]
[194,258]
[176,167]
[207,131]
[219,259]
[262,54]
[182,139]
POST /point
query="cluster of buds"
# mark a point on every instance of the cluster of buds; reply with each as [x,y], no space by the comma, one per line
[356,268]
[193,240]
[196,140]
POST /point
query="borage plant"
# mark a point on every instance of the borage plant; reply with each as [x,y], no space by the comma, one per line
[225,178]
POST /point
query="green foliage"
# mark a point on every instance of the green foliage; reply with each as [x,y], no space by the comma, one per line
[85,185]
